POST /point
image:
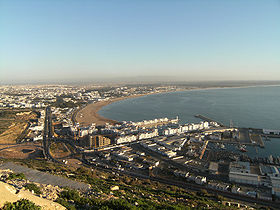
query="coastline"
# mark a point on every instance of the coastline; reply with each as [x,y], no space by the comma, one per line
[89,114]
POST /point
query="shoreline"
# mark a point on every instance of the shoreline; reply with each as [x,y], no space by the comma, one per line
[89,114]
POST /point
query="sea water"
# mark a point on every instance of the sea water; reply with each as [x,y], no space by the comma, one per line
[254,107]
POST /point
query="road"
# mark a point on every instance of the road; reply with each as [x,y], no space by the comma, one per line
[191,186]
[48,137]
[177,164]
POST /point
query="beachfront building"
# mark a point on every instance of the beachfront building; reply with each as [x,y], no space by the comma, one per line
[148,135]
[154,122]
[126,139]
[185,128]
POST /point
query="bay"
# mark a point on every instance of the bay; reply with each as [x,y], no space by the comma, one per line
[253,107]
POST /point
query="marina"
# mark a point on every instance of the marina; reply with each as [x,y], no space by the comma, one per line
[220,105]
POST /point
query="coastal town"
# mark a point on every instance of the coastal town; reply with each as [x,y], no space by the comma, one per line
[139,105]
[61,124]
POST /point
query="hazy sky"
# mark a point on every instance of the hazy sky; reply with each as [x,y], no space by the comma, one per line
[190,40]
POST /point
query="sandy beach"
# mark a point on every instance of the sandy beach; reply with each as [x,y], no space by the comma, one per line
[89,114]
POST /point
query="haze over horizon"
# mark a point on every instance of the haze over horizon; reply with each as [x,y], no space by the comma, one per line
[63,41]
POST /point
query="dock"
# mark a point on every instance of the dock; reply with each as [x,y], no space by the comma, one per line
[271,136]
[257,139]
[208,119]
[245,138]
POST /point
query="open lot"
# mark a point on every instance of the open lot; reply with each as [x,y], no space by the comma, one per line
[13,124]
[21,151]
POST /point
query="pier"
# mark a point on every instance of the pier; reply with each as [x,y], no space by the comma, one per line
[257,139]
[208,119]
[271,136]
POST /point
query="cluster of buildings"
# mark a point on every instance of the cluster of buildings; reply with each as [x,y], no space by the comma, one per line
[201,180]
[112,145]
[40,96]
[37,96]
[127,132]
[158,148]
[147,123]
[186,128]
[122,158]
[36,127]
[65,100]
[166,146]
[257,175]
[140,136]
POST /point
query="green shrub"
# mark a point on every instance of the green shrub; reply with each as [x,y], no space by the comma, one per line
[22,204]
[65,204]
[70,194]
[33,187]
[16,176]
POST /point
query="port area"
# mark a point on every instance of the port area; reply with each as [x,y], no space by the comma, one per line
[246,136]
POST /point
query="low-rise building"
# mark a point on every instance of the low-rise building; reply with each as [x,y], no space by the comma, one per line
[200,180]
[273,173]
[125,139]
[213,167]
[240,172]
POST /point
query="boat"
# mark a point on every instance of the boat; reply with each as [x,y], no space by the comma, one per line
[242,148]
[267,138]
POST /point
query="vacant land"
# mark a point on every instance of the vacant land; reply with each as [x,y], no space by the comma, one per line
[59,150]
[21,151]
[13,124]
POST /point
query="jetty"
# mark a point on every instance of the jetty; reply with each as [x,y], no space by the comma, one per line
[257,138]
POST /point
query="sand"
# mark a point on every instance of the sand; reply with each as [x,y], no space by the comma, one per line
[89,114]
[8,194]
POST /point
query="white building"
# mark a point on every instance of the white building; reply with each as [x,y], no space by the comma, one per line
[148,135]
[125,139]
[271,132]
[273,173]
[240,172]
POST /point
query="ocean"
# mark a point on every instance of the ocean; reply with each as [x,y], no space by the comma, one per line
[253,107]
